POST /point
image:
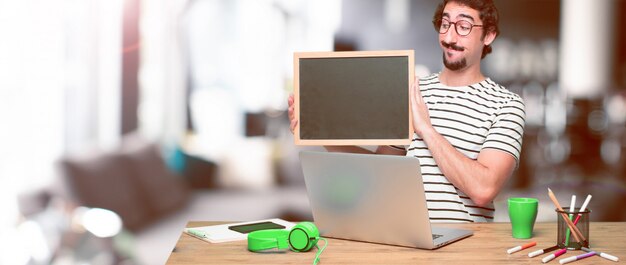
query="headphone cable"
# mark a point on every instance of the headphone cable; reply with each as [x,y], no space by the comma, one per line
[319,251]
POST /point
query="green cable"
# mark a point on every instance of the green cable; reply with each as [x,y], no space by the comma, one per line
[319,252]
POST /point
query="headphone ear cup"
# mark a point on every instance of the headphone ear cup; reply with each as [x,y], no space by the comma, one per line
[313,231]
[303,236]
[268,239]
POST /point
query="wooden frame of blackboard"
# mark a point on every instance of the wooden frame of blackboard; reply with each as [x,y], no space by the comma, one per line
[406,137]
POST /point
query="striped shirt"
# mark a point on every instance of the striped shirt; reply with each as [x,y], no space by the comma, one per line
[471,118]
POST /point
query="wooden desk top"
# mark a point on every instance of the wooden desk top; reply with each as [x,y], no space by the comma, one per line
[488,245]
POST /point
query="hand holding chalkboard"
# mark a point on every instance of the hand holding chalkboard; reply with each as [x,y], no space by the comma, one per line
[292,118]
[421,117]
[352,98]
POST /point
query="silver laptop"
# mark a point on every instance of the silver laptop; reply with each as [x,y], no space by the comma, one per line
[372,198]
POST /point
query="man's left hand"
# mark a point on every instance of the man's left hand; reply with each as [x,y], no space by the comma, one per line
[419,110]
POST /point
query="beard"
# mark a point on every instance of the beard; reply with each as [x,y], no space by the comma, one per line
[454,66]
[460,64]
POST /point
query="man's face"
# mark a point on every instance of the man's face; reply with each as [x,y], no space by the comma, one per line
[459,52]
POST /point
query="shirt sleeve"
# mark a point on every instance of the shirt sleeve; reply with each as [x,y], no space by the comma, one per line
[508,129]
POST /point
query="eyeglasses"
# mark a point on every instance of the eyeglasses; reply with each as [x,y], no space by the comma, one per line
[462,27]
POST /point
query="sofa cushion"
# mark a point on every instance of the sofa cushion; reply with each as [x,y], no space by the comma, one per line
[163,190]
[102,181]
[133,181]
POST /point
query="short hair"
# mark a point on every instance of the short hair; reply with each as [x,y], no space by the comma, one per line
[488,15]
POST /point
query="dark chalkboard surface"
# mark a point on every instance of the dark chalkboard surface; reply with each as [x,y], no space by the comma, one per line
[353,98]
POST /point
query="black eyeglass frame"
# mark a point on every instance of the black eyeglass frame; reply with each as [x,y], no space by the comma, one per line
[456,26]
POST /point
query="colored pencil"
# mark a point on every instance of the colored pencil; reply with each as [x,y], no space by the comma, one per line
[575,231]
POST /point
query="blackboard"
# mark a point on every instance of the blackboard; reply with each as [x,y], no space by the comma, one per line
[353,98]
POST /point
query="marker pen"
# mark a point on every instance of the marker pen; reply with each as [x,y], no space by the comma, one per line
[518,248]
[572,207]
[579,257]
[552,256]
[197,233]
[583,208]
[542,251]
[602,254]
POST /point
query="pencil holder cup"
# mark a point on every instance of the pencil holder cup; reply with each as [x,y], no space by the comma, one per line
[565,237]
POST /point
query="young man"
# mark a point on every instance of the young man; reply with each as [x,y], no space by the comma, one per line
[468,129]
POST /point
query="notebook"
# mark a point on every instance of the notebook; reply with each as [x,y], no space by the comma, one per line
[235,231]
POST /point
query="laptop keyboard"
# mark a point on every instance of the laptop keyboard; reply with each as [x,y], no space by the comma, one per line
[435,236]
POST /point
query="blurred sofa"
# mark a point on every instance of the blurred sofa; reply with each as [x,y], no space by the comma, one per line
[133,182]
[155,203]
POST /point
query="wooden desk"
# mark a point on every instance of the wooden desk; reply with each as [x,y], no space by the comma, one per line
[488,245]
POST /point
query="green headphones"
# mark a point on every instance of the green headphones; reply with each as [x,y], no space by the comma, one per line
[302,237]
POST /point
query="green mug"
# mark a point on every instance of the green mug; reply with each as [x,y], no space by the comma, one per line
[523,212]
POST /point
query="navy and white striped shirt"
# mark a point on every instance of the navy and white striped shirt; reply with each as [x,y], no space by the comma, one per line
[471,118]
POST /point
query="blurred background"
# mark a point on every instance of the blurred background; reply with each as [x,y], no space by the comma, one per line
[122,120]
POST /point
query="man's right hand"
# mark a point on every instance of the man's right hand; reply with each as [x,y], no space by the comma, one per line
[292,119]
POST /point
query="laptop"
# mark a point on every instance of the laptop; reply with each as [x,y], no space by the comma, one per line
[372,198]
